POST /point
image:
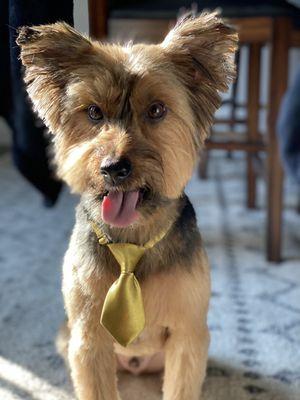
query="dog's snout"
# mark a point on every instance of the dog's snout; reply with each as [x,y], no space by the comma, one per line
[115,171]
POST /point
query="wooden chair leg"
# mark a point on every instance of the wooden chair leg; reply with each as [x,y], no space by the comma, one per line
[278,85]
[203,164]
[98,18]
[234,91]
[253,117]
[234,100]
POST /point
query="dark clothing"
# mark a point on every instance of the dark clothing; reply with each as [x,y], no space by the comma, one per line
[288,129]
[29,141]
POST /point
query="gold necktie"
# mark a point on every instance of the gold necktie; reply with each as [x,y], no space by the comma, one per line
[123,310]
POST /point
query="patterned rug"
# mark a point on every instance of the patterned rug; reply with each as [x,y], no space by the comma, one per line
[255,309]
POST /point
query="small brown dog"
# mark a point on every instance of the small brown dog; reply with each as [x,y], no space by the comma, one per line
[128,124]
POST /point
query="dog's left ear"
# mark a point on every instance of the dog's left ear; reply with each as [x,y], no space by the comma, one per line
[50,54]
[201,50]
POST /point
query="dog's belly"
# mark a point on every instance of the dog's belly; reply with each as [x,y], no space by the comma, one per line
[145,354]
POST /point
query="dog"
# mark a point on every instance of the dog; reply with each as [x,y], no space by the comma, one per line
[128,123]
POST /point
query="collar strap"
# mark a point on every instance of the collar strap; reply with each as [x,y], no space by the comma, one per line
[103,239]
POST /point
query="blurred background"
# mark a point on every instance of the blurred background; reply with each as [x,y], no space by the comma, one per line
[245,189]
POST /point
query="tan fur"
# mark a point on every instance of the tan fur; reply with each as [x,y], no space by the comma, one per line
[65,73]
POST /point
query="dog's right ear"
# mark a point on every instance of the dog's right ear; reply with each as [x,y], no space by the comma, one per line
[50,53]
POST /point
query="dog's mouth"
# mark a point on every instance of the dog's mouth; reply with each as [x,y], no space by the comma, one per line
[119,208]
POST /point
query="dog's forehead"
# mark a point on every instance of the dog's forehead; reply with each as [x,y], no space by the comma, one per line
[130,68]
[141,59]
[129,62]
[143,68]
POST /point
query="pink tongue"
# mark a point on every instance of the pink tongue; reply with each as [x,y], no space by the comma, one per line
[119,208]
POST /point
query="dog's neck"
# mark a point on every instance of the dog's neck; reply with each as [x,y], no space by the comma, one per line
[139,233]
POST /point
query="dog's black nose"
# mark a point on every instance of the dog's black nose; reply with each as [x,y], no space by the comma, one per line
[114,170]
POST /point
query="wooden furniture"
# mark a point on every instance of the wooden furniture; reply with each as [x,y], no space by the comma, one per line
[254,31]
[98,18]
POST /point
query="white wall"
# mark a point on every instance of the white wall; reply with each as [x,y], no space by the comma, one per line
[81,15]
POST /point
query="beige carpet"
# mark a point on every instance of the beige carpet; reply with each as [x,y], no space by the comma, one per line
[255,308]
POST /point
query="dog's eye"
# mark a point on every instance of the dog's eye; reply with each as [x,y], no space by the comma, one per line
[156,111]
[95,113]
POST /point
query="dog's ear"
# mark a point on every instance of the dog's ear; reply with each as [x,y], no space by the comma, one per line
[201,49]
[50,53]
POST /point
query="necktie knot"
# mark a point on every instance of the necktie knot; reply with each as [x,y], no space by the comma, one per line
[124,272]
[127,255]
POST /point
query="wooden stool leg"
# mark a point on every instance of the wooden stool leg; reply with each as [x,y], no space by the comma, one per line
[253,117]
[203,164]
[234,91]
[98,15]
[234,99]
[278,85]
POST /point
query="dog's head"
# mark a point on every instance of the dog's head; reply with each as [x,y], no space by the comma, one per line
[128,121]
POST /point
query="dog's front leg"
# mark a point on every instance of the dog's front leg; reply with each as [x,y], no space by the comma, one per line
[92,362]
[185,364]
